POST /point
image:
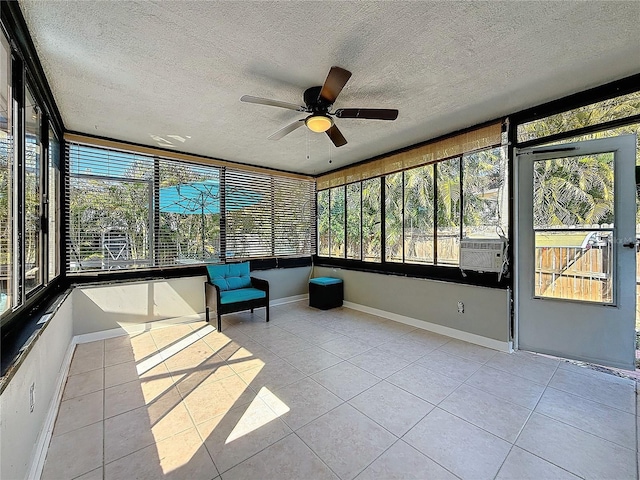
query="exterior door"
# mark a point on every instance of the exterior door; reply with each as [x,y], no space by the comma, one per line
[576,251]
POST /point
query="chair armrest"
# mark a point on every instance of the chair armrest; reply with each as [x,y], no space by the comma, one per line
[260,284]
[212,294]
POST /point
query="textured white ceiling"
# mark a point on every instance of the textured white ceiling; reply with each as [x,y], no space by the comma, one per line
[169,72]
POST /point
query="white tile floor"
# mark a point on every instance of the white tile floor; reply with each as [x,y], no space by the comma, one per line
[334,394]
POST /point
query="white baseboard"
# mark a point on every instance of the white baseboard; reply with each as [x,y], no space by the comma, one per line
[434,327]
[285,300]
[42,444]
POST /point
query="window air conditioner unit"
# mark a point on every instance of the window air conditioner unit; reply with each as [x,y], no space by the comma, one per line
[482,254]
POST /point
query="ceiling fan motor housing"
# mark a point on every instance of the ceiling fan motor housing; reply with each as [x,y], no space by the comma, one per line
[313,101]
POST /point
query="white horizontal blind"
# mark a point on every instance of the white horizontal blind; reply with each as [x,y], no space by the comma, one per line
[268,216]
[188,210]
[129,210]
[109,207]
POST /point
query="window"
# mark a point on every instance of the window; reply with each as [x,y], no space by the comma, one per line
[130,211]
[32,194]
[53,211]
[7,220]
[426,211]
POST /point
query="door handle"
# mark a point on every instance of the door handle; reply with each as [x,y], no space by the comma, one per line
[635,244]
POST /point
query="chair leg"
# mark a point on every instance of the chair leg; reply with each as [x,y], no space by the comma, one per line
[207,314]
[252,310]
[219,323]
[267,309]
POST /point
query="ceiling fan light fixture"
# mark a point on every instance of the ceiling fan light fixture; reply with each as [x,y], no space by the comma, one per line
[318,123]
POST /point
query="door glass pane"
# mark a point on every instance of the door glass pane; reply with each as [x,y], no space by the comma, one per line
[573,215]
[33,270]
[354,221]
[6,179]
[418,215]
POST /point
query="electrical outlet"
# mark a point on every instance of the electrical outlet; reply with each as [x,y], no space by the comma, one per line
[460,307]
[32,397]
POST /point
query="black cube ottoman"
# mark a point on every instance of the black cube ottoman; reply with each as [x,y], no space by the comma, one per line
[326,292]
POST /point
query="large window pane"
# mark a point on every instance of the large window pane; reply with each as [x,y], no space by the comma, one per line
[6,180]
[292,214]
[485,191]
[371,220]
[110,208]
[448,233]
[32,194]
[418,215]
[323,223]
[336,222]
[354,221]
[53,191]
[393,218]
[189,209]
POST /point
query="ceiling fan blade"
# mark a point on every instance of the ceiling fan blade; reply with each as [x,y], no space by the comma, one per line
[286,130]
[334,83]
[369,113]
[271,103]
[336,136]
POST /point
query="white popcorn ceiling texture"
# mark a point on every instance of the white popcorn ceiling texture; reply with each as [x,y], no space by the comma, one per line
[172,72]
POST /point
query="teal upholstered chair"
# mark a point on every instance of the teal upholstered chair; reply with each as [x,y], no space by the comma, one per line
[231,288]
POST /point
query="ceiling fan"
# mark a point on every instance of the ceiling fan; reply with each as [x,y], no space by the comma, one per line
[318,102]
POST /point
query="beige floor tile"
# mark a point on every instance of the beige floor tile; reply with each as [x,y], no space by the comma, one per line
[469,351]
[155,382]
[120,373]
[166,336]
[301,402]
[92,475]
[345,347]
[523,367]
[407,347]
[464,449]
[312,360]
[429,339]
[487,411]
[114,356]
[74,453]
[142,346]
[122,398]
[287,459]
[380,363]
[182,456]
[212,370]
[272,375]
[212,399]
[83,383]
[345,380]
[343,430]
[610,390]
[596,418]
[577,451]
[79,412]
[403,462]
[391,407]
[424,383]
[241,432]
[452,366]
[521,465]
[87,357]
[190,356]
[509,387]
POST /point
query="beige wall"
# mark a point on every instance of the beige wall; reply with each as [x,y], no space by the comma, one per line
[485,309]
[20,428]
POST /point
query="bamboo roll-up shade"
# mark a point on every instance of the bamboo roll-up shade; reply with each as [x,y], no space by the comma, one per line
[484,137]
